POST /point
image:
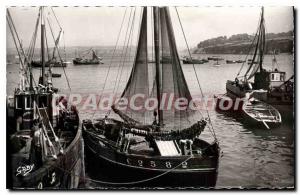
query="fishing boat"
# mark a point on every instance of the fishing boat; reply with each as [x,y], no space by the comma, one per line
[278,90]
[188,60]
[83,61]
[255,111]
[260,113]
[54,59]
[44,143]
[158,147]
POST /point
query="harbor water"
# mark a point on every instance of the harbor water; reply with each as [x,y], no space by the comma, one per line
[250,156]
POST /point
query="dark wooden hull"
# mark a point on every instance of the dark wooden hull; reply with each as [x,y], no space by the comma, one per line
[128,170]
[65,172]
[68,169]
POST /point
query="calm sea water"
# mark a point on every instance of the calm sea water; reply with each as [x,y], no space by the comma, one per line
[251,157]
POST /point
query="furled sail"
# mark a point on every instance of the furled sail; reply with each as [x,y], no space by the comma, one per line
[172,90]
[257,59]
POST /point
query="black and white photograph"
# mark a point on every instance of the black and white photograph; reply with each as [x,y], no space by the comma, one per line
[150,97]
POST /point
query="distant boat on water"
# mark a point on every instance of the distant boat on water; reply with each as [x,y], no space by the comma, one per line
[234,61]
[52,63]
[215,58]
[188,60]
[84,61]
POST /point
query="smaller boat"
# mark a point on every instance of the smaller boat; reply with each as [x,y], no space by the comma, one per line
[258,112]
[215,58]
[188,60]
[82,61]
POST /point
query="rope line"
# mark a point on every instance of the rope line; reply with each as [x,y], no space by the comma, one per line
[111,60]
[190,55]
[61,61]
[127,183]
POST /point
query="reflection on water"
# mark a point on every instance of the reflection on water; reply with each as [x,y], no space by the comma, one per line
[251,156]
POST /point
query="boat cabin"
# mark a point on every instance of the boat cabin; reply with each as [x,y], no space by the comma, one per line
[269,79]
[276,78]
[24,108]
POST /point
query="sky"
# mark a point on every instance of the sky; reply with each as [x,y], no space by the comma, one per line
[99,26]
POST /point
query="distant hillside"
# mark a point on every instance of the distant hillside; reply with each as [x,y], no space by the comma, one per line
[240,43]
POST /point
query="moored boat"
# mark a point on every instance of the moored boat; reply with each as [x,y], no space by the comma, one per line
[188,60]
[277,89]
[215,58]
[44,143]
[153,148]
[258,112]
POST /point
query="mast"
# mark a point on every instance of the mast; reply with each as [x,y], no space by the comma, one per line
[43,47]
[258,51]
[157,61]
[262,44]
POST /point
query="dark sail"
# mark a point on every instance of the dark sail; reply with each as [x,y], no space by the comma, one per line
[257,60]
[94,55]
[172,77]
[138,80]
[172,84]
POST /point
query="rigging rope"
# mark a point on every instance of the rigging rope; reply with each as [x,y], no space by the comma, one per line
[132,182]
[56,18]
[128,41]
[248,53]
[61,61]
[31,48]
[17,48]
[122,53]
[190,55]
[15,33]
[111,60]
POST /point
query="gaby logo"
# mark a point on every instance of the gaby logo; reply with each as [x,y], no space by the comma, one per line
[24,170]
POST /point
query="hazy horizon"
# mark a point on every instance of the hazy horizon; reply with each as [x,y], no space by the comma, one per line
[99,26]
